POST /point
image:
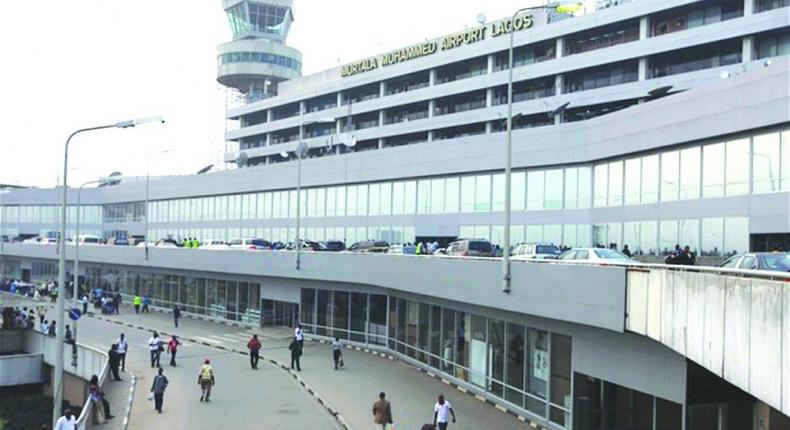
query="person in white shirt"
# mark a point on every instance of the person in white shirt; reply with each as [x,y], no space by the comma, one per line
[440,413]
[337,355]
[121,350]
[66,422]
[299,336]
[155,346]
[44,327]
[85,304]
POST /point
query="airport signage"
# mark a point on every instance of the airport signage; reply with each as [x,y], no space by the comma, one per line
[446,43]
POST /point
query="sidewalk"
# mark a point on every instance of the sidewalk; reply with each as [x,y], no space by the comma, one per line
[351,390]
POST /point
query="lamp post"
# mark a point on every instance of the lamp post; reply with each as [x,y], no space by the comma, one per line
[147,180]
[301,151]
[561,7]
[58,377]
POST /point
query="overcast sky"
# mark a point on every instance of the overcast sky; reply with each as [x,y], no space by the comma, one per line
[80,63]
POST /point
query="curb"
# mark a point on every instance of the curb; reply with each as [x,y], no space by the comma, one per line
[386,355]
[324,403]
[130,401]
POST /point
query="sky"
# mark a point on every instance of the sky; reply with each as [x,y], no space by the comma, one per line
[81,63]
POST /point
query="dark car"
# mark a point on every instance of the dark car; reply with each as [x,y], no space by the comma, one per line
[470,248]
[332,245]
[118,241]
[379,246]
[773,261]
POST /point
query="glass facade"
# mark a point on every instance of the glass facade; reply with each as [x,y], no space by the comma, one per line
[260,57]
[527,367]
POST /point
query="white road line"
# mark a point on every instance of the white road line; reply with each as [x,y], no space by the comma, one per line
[206,339]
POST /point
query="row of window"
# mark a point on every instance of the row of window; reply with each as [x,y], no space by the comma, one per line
[528,367]
[260,57]
[37,214]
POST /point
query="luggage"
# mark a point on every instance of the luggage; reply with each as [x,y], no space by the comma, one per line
[428,427]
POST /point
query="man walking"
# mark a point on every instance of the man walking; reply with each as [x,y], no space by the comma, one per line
[296,353]
[254,345]
[85,304]
[146,303]
[158,388]
[440,413]
[137,302]
[176,314]
[123,346]
[155,347]
[66,422]
[206,380]
[382,413]
[172,348]
[114,361]
[337,355]
[298,335]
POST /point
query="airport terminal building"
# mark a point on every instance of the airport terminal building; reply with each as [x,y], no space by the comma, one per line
[648,123]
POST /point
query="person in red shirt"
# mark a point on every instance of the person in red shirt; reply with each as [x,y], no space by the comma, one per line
[172,348]
[254,345]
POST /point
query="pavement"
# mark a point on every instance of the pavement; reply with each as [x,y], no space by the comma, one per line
[273,394]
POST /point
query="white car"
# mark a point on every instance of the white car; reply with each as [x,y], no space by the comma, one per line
[216,245]
[534,251]
[87,239]
[249,244]
[596,255]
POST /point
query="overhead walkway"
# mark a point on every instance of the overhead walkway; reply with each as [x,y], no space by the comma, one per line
[735,323]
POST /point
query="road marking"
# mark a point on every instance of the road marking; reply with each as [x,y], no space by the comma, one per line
[209,340]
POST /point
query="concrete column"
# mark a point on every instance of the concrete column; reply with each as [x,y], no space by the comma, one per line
[560,47]
[748,7]
[268,139]
[748,49]
[488,127]
[432,77]
[644,27]
[558,83]
[381,117]
[382,88]
[381,143]
[431,107]
[643,68]
[430,136]
[339,98]
[491,63]
[489,97]
[269,115]
[301,107]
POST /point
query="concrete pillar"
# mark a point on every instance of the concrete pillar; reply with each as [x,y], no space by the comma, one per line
[644,27]
[268,139]
[430,136]
[381,117]
[748,49]
[269,115]
[558,82]
[382,88]
[489,97]
[748,7]
[301,107]
[432,77]
[560,47]
[381,143]
[339,98]
[431,107]
[491,63]
[642,68]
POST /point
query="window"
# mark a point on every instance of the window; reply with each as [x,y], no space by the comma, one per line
[773,45]
[766,163]
[713,170]
[632,185]
[524,55]
[601,182]
[602,76]
[737,170]
[696,58]
[670,176]
[602,37]
[689,173]
[560,379]
[649,184]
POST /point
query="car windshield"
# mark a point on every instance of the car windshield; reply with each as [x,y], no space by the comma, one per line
[547,249]
[260,242]
[610,254]
[777,261]
[479,246]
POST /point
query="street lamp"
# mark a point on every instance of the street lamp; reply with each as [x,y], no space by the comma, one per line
[560,7]
[301,151]
[147,180]
[58,382]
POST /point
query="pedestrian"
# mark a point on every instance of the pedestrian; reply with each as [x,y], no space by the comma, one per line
[176,314]
[626,251]
[172,348]
[97,395]
[66,422]
[123,346]
[158,389]
[114,361]
[155,348]
[146,303]
[440,410]
[337,354]
[68,336]
[44,327]
[689,259]
[206,380]
[42,314]
[137,301]
[254,345]
[116,303]
[382,413]
[296,353]
[85,304]
[52,329]
[299,335]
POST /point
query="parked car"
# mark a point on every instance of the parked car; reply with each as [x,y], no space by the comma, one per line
[88,239]
[774,261]
[307,245]
[214,244]
[332,245]
[166,242]
[535,251]
[470,248]
[596,255]
[377,246]
[118,241]
[249,244]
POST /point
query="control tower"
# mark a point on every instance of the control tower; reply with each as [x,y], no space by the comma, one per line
[257,59]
